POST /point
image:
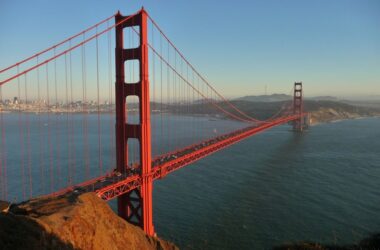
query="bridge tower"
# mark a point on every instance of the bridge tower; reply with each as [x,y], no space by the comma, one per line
[135,206]
[299,124]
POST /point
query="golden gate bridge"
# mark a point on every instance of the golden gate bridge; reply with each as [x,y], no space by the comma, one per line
[63,144]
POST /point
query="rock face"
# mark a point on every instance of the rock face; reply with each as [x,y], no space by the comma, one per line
[327,111]
[71,222]
[329,114]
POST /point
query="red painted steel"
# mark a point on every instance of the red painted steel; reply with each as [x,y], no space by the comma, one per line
[110,186]
[56,45]
[299,124]
[190,155]
[65,52]
[136,204]
[133,187]
[250,119]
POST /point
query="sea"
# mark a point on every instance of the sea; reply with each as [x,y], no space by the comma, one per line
[276,187]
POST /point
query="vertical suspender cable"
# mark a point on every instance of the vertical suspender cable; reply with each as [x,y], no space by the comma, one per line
[28,141]
[67,124]
[3,159]
[174,107]
[192,108]
[49,129]
[161,108]
[112,135]
[71,115]
[40,144]
[155,98]
[57,126]
[168,102]
[21,135]
[84,111]
[98,100]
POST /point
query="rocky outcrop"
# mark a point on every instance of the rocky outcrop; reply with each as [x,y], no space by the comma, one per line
[330,114]
[329,111]
[71,221]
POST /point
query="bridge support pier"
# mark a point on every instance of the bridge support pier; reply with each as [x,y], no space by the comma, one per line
[300,124]
[135,206]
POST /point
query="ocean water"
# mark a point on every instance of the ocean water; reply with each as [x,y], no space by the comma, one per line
[59,150]
[275,187]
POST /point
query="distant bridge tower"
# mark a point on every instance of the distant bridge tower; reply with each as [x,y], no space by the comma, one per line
[135,206]
[299,124]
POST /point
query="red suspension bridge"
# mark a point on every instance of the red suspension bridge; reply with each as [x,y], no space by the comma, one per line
[59,107]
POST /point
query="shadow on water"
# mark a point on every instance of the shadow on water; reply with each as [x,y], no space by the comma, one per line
[287,150]
[274,188]
[253,191]
[279,161]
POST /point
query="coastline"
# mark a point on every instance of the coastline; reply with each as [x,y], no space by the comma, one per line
[343,119]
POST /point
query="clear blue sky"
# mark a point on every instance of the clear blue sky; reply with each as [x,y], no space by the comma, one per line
[240,46]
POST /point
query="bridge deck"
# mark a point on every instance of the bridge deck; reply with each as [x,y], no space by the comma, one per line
[114,184]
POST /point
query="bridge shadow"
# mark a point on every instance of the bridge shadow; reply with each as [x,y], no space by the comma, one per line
[245,187]
[280,163]
[291,149]
[280,159]
[277,167]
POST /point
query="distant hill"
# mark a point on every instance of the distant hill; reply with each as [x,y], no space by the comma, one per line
[321,111]
[282,97]
[323,98]
[321,108]
[371,104]
[265,98]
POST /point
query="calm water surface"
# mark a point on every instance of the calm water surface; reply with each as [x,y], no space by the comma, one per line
[277,187]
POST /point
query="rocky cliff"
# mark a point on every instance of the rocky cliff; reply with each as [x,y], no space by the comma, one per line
[329,114]
[327,111]
[71,221]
